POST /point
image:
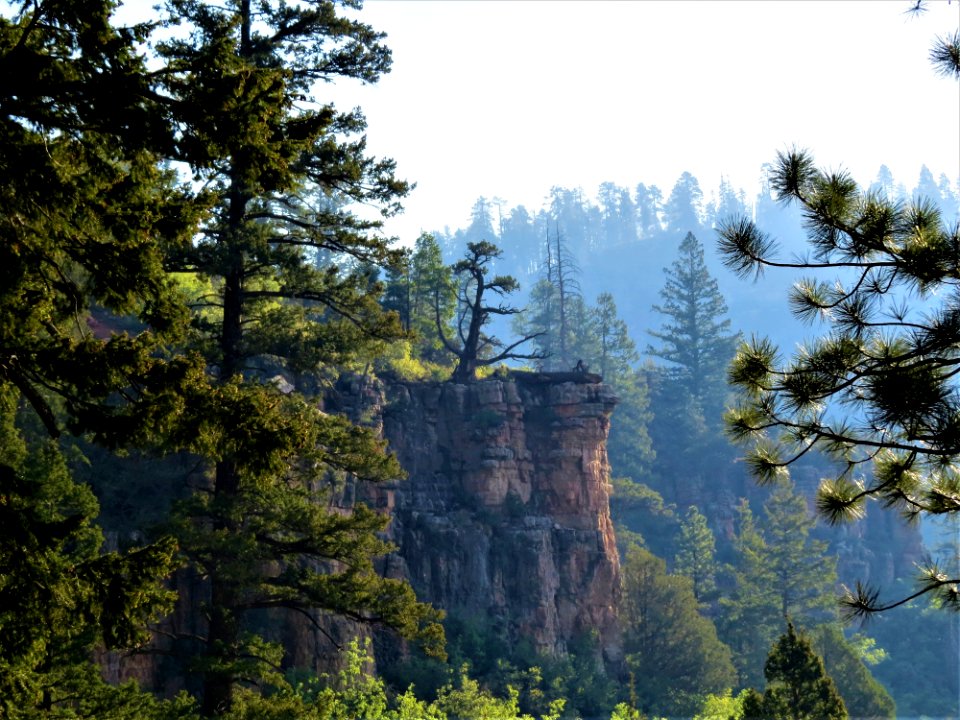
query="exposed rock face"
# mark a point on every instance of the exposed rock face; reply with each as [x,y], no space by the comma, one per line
[505,514]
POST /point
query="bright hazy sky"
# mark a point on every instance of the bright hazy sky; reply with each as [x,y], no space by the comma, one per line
[507,98]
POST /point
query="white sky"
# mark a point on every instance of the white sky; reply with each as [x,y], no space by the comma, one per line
[507,98]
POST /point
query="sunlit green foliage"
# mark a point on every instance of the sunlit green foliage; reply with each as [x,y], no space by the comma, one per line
[672,651]
[862,695]
[798,687]
[423,294]
[722,706]
[876,390]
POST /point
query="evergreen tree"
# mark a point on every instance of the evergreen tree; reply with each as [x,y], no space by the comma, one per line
[482,226]
[728,204]
[293,277]
[689,393]
[615,354]
[862,695]
[683,211]
[563,273]
[798,687]
[673,651]
[949,198]
[927,187]
[780,571]
[432,288]
[584,348]
[884,184]
[695,555]
[648,203]
[473,348]
[618,215]
[88,216]
[629,446]
[61,596]
[804,575]
[749,619]
[614,357]
[877,391]
[539,321]
[521,242]
[414,290]
[556,318]
[568,209]
[695,338]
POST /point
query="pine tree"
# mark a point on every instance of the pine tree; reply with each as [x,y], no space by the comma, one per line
[432,287]
[876,391]
[629,446]
[558,321]
[683,210]
[413,290]
[88,217]
[695,338]
[749,615]
[798,687]
[291,264]
[780,571]
[613,355]
[473,347]
[563,274]
[804,575]
[61,595]
[648,202]
[539,320]
[695,555]
[672,650]
[616,353]
[618,215]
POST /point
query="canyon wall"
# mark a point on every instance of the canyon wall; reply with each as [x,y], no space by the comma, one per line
[505,514]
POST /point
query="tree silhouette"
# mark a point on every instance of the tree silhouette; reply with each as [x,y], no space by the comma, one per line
[877,391]
[475,348]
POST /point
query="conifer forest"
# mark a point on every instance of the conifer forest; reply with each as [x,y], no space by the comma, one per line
[638,452]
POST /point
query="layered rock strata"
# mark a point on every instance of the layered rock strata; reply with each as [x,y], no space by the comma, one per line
[505,515]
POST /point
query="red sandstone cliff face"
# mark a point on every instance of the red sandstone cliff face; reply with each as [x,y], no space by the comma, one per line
[505,514]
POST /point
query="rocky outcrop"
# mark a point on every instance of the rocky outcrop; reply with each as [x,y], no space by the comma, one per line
[505,514]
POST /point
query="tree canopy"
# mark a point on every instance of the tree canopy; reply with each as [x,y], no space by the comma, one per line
[472,346]
[672,650]
[798,687]
[219,165]
[877,390]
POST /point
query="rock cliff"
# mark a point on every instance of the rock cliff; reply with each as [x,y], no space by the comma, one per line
[505,515]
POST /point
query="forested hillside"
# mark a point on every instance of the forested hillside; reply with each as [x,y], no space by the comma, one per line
[639,485]
[623,284]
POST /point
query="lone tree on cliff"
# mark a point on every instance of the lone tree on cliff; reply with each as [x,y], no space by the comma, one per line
[475,348]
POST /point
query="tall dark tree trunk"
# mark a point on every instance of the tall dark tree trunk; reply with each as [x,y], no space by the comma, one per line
[223,629]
